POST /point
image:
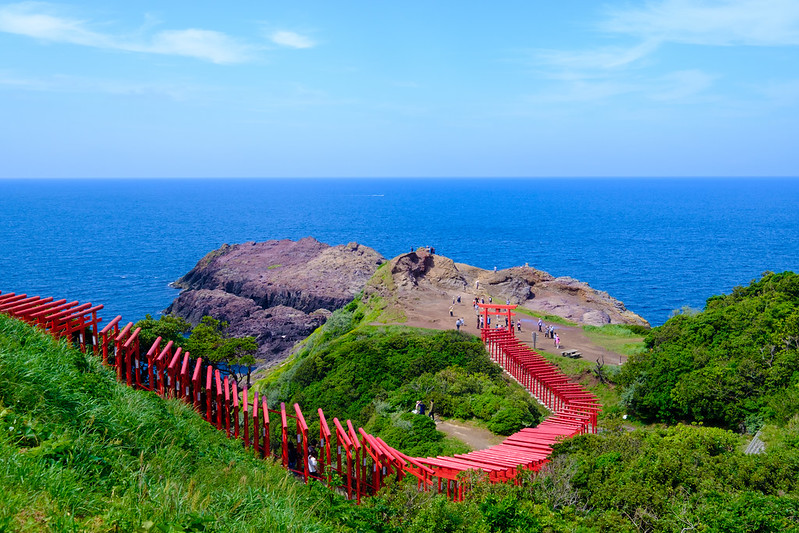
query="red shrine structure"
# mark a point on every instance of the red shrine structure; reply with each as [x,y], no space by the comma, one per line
[362,462]
[492,309]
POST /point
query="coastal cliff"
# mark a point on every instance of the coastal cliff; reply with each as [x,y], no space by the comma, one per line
[281,291]
[275,291]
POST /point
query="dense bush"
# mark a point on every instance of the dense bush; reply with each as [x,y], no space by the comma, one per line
[735,364]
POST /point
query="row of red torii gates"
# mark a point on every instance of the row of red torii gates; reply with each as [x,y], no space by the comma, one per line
[361,462]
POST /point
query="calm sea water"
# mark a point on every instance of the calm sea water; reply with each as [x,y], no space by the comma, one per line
[656,244]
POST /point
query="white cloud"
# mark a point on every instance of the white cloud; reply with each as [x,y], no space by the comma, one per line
[203,44]
[77,84]
[601,58]
[292,40]
[681,85]
[584,91]
[40,21]
[710,22]
[653,25]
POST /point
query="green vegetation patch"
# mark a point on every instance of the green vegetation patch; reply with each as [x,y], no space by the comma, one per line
[619,338]
[374,375]
[547,318]
[735,364]
[684,478]
[81,452]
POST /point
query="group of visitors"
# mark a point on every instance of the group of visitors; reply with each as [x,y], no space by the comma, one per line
[420,409]
[428,249]
[549,332]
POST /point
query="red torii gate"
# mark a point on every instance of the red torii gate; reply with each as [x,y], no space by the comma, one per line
[362,461]
[498,310]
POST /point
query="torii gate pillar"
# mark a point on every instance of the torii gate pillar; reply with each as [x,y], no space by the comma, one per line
[498,310]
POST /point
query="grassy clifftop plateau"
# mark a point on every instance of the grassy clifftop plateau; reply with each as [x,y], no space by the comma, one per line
[80,452]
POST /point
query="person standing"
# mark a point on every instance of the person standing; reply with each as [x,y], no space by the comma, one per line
[451,308]
[432,411]
[421,407]
[557,341]
[313,464]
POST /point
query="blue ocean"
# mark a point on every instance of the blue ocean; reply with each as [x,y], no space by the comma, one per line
[656,244]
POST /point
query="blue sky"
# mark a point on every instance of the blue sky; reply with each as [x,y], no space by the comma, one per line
[372,89]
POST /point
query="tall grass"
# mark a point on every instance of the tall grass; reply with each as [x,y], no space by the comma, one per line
[81,452]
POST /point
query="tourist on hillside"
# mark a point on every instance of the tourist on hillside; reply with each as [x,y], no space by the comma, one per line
[557,341]
[416,408]
[450,310]
[432,411]
[313,464]
[540,325]
[421,407]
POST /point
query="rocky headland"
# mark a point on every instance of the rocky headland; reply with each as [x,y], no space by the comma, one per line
[280,291]
[275,291]
[419,273]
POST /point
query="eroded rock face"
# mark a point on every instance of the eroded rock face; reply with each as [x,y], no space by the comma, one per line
[530,288]
[276,291]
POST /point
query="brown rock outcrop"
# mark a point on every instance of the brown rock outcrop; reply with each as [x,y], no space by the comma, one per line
[418,272]
[276,291]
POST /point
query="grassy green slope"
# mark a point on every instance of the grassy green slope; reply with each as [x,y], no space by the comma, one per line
[78,451]
[373,375]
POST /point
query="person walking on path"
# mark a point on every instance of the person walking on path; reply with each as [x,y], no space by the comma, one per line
[432,411]
[450,310]
[540,325]
[557,341]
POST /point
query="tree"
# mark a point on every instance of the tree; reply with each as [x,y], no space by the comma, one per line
[168,327]
[234,356]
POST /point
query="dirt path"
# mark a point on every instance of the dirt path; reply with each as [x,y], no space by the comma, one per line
[430,309]
[474,436]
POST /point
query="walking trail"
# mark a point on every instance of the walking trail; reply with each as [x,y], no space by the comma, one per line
[430,309]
